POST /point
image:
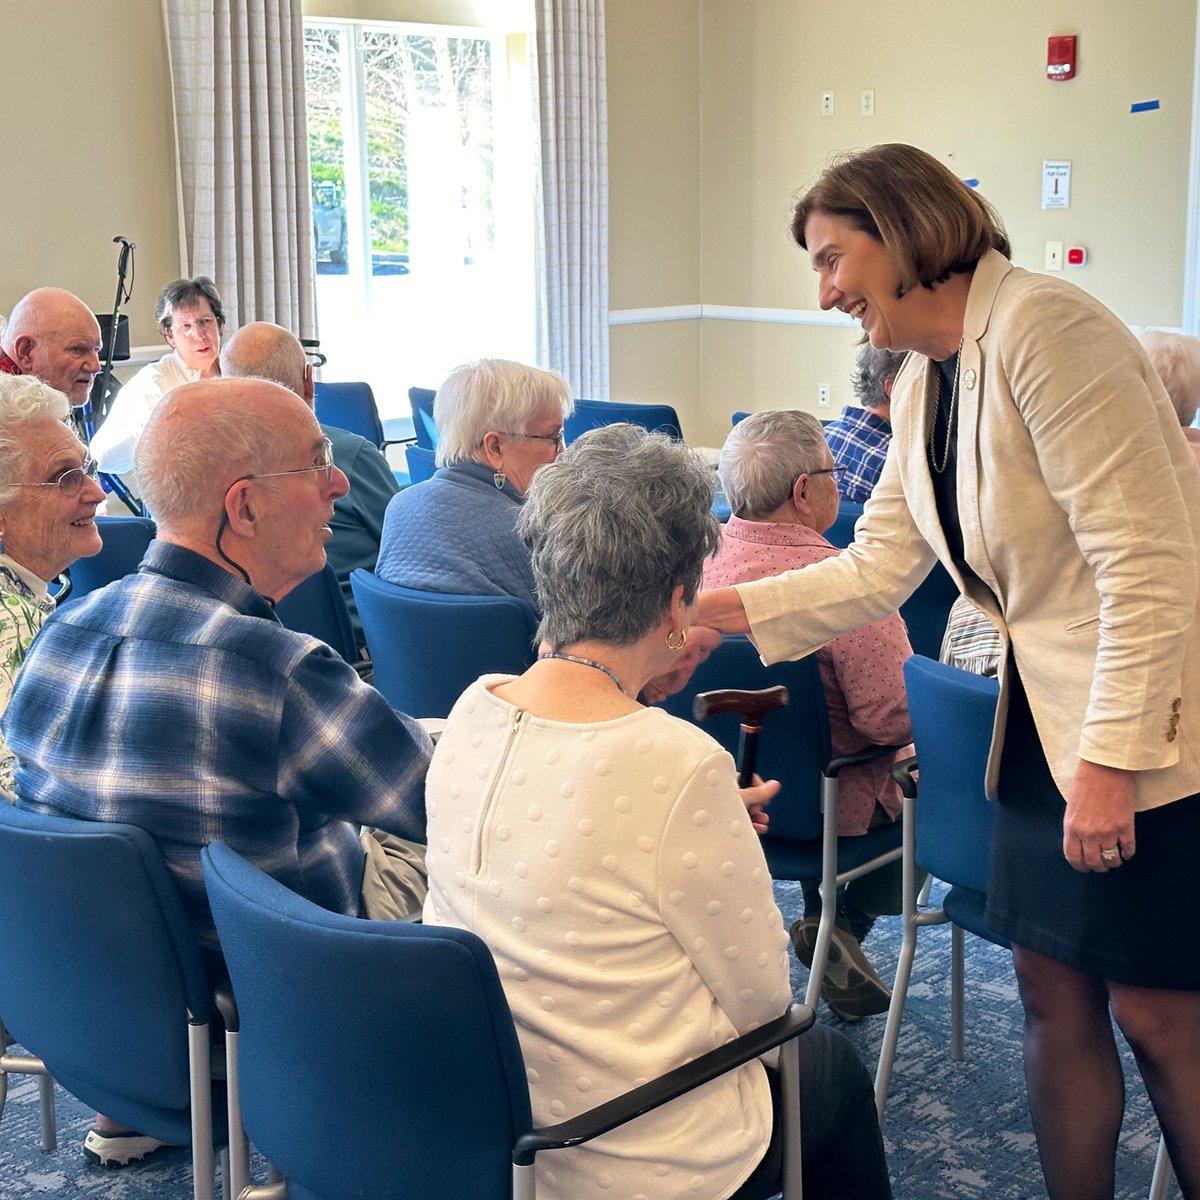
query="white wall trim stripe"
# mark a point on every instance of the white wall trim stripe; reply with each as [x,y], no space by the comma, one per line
[725,312]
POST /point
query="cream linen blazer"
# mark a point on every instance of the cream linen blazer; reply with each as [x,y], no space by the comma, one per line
[1075,490]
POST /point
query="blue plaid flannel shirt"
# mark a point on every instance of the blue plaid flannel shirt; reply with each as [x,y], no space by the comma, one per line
[174,700]
[858,439]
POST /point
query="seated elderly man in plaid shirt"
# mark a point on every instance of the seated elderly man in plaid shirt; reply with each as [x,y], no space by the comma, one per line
[173,699]
[859,438]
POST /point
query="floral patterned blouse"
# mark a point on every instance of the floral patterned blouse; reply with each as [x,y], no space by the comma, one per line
[25,604]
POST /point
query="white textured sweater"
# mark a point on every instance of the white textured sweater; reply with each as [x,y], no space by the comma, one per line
[614,873]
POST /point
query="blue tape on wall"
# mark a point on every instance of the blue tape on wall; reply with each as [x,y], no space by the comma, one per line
[1144,106]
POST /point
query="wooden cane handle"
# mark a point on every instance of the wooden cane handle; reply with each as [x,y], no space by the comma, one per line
[750,706]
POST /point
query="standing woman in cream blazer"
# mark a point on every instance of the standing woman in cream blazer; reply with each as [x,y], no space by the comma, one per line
[1036,455]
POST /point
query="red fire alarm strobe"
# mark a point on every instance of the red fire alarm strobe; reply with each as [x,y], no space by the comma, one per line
[1076,256]
[1060,58]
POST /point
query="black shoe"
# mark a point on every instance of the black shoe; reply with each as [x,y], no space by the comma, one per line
[851,987]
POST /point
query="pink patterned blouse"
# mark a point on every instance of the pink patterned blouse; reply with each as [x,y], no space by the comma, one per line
[861,670]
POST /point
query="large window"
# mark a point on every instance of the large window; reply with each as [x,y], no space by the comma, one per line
[422,157]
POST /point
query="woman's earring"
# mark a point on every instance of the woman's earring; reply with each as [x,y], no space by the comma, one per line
[672,644]
[499,479]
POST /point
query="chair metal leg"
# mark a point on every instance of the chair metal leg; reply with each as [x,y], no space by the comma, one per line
[789,1114]
[1160,1183]
[239,1147]
[203,1164]
[524,1185]
[270,1191]
[957,990]
[49,1123]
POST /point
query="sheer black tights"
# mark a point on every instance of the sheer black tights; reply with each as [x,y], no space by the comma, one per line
[1074,1079]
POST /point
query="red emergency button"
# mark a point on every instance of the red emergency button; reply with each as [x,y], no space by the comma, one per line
[1076,256]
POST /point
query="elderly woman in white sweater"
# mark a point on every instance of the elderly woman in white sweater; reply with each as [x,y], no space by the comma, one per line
[603,851]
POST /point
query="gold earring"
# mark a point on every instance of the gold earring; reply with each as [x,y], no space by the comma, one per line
[672,644]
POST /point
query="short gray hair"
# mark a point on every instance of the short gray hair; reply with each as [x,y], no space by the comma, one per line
[23,399]
[872,369]
[265,351]
[613,524]
[1176,359]
[763,455]
[185,472]
[493,393]
[187,293]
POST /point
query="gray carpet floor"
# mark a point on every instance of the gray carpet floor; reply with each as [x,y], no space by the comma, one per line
[953,1131]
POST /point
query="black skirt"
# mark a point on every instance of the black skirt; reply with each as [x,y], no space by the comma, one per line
[1135,925]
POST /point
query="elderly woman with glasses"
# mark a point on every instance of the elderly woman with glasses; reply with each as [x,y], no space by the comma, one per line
[603,851]
[48,502]
[190,318]
[778,472]
[499,423]
[1036,454]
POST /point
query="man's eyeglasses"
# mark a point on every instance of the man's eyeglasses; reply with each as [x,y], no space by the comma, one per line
[70,483]
[323,463]
[559,438]
[204,326]
[834,471]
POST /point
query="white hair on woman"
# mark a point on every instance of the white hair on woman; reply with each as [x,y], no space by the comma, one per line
[23,399]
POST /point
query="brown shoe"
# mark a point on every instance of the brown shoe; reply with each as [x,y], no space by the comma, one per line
[851,987]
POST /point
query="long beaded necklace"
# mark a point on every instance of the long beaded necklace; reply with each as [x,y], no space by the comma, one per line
[585,662]
[940,466]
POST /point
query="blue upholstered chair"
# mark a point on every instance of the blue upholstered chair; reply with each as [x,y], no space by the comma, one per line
[429,647]
[841,532]
[947,829]
[317,606]
[103,980]
[125,542]
[591,414]
[421,400]
[395,1041]
[739,416]
[422,463]
[794,747]
[349,406]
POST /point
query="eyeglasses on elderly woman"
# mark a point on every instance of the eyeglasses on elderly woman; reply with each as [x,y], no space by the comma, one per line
[69,482]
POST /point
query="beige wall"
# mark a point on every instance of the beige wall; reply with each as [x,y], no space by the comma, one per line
[755,71]
[89,152]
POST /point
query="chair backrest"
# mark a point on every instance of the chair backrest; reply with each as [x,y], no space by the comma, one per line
[841,532]
[794,744]
[100,966]
[953,713]
[428,647]
[349,406]
[376,1058]
[422,463]
[421,400]
[591,414]
[317,606]
[125,540]
[738,416]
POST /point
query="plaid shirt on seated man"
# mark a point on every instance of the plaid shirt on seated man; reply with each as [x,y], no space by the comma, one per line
[859,441]
[174,700]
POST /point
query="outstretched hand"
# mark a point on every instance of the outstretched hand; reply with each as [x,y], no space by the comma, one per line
[701,642]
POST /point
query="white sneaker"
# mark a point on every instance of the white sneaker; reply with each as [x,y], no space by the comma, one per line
[119,1149]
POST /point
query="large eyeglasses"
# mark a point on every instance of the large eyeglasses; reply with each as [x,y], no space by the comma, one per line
[204,326]
[559,438]
[323,463]
[70,483]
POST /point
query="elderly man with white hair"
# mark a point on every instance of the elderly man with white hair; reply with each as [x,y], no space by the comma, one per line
[271,352]
[779,474]
[52,334]
[173,699]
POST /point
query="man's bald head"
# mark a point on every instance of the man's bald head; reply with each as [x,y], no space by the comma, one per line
[267,351]
[52,334]
[205,435]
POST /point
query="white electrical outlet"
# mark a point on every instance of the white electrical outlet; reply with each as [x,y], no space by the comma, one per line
[868,102]
[822,395]
[827,104]
[1054,256]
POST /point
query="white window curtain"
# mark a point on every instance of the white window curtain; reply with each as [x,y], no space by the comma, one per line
[573,247]
[237,78]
